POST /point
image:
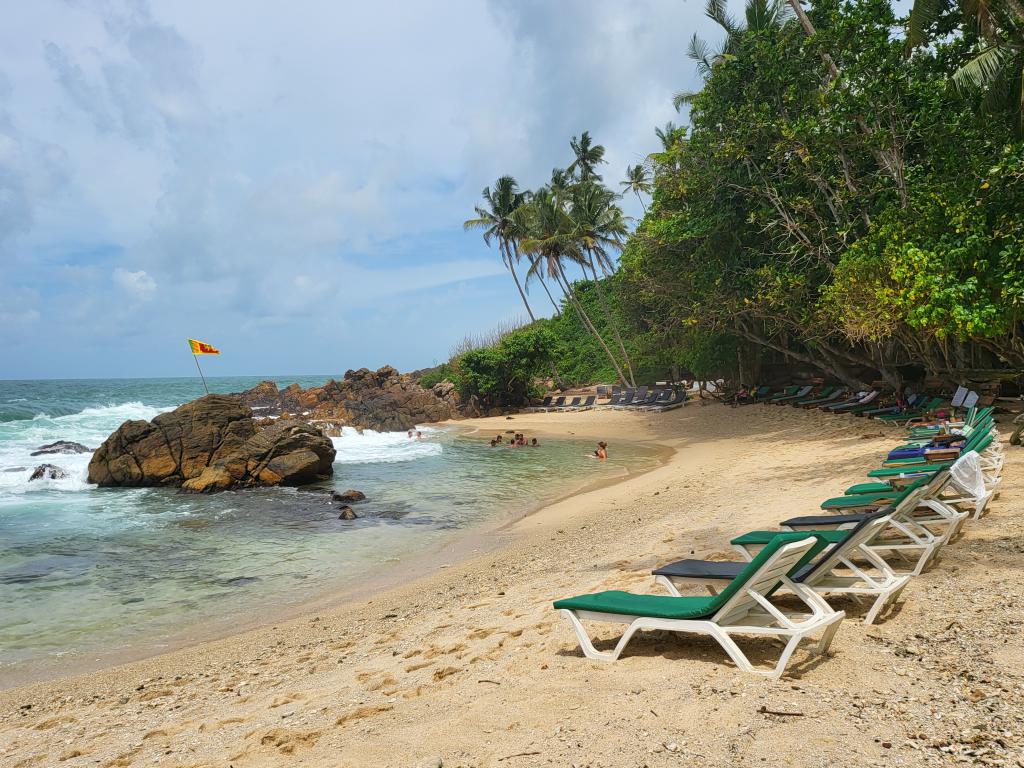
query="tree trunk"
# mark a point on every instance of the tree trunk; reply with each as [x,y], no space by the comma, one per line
[611,320]
[512,269]
[567,288]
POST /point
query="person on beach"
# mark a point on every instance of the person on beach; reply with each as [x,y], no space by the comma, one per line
[602,450]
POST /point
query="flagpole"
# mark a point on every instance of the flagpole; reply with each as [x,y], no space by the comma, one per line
[200,373]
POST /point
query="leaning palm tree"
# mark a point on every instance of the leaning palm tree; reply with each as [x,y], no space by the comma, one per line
[552,243]
[588,156]
[637,180]
[599,225]
[997,68]
[495,219]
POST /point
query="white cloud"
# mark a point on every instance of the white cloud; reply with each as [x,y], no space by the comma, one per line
[138,284]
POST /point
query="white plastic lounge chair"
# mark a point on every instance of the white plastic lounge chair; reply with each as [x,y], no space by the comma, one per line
[742,608]
[841,570]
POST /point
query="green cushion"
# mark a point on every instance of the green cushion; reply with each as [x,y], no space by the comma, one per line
[861,500]
[657,606]
[766,537]
[868,488]
[666,607]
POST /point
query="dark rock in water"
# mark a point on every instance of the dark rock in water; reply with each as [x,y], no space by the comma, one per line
[48,472]
[347,513]
[241,581]
[383,400]
[212,444]
[349,496]
[61,446]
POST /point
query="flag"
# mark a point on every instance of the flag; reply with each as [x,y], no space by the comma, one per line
[201,348]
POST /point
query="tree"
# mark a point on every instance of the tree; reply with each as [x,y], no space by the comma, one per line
[552,241]
[599,225]
[588,156]
[638,180]
[996,66]
[496,221]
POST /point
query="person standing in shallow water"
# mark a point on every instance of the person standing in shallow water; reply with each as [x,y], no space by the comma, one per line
[602,450]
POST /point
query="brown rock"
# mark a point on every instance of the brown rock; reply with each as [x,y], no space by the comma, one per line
[212,444]
[349,497]
[347,513]
[48,472]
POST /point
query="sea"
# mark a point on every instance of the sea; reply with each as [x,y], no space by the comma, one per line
[91,574]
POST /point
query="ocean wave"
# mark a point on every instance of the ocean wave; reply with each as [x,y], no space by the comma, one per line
[371,447]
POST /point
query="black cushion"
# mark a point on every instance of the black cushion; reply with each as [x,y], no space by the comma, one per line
[812,520]
[702,569]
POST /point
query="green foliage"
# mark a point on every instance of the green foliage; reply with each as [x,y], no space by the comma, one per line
[505,373]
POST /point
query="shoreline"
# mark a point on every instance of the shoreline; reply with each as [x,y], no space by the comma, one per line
[476,541]
[380,682]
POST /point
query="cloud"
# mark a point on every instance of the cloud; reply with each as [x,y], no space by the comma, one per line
[138,285]
[305,173]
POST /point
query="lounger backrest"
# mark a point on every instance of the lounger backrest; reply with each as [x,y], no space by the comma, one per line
[869,396]
[763,574]
[590,400]
[826,391]
[546,401]
[803,391]
[971,400]
[641,393]
[575,401]
[559,402]
[983,414]
[866,530]
[958,397]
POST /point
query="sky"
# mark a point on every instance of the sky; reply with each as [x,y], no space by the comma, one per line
[288,181]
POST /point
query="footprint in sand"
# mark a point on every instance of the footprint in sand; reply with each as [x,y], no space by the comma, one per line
[286,742]
[280,701]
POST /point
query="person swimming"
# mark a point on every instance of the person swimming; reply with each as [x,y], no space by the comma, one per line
[534,443]
[602,450]
[410,434]
[419,435]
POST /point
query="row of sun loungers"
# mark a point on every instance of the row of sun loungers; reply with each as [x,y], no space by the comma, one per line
[866,403]
[868,543]
[641,398]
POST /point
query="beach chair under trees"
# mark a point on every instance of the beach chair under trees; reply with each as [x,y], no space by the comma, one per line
[743,607]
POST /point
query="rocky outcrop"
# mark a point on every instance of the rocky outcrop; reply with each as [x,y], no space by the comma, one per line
[48,472]
[61,446]
[212,444]
[382,400]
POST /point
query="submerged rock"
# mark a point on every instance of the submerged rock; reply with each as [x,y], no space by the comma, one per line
[61,446]
[212,444]
[48,472]
[347,513]
[349,496]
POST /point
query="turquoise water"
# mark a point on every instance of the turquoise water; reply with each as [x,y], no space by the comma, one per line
[84,569]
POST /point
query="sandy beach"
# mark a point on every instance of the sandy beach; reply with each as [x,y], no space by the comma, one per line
[470,665]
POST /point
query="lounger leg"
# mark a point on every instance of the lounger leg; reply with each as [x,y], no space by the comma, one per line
[587,645]
[826,639]
[885,598]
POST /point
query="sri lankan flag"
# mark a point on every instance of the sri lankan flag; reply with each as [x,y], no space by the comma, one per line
[202,348]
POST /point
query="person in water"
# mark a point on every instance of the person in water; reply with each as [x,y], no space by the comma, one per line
[410,434]
[419,435]
[602,450]
[534,443]
[493,442]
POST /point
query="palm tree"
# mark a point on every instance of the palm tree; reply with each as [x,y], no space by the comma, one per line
[599,225]
[552,242]
[496,220]
[669,135]
[758,15]
[588,156]
[637,180]
[997,69]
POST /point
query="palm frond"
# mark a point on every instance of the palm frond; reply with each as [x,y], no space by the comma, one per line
[984,69]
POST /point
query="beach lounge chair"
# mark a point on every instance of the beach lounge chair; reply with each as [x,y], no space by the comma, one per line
[559,402]
[588,402]
[760,393]
[912,402]
[543,405]
[911,414]
[677,400]
[802,392]
[867,397]
[574,402]
[626,397]
[853,399]
[741,608]
[841,569]
[820,395]
[786,393]
[833,396]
